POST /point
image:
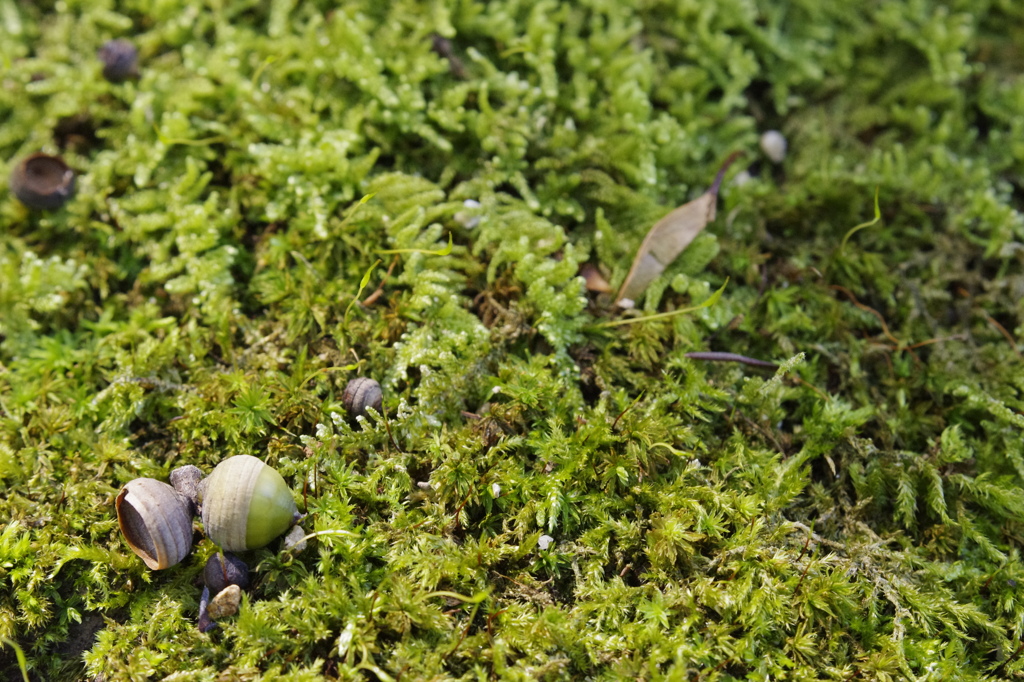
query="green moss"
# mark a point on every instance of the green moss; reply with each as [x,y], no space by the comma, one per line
[266,213]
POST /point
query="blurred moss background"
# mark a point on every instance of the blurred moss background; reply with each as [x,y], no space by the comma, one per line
[549,497]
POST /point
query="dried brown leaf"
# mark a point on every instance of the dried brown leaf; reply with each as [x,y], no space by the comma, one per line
[667,239]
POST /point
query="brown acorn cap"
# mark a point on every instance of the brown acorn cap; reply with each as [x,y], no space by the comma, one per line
[361,393]
[42,181]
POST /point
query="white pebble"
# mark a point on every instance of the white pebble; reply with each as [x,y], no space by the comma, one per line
[296,539]
[773,144]
[545,542]
[226,602]
[345,639]
[741,178]
[470,218]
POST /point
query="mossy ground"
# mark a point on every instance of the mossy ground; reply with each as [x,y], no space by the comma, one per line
[858,515]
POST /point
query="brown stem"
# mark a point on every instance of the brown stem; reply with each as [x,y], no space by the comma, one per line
[372,298]
[721,171]
[716,356]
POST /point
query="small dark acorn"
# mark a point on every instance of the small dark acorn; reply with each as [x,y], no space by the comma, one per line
[120,60]
[221,572]
[42,181]
[225,569]
[361,393]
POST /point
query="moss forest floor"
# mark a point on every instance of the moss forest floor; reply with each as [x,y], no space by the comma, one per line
[265,214]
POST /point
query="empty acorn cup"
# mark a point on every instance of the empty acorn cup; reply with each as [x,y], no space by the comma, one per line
[42,181]
[156,522]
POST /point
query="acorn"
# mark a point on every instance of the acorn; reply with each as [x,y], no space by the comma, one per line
[362,393]
[223,569]
[155,521]
[42,181]
[246,504]
[120,60]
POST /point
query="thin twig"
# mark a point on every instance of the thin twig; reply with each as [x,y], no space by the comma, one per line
[490,621]
[718,667]
[387,427]
[764,432]
[800,380]
[372,298]
[869,309]
[995,323]
[803,575]
[721,171]
[462,504]
[465,632]
[616,422]
[716,356]
[955,337]
[803,551]
[999,671]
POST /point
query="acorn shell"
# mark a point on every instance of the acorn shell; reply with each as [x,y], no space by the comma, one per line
[42,181]
[361,393]
[155,521]
[246,504]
